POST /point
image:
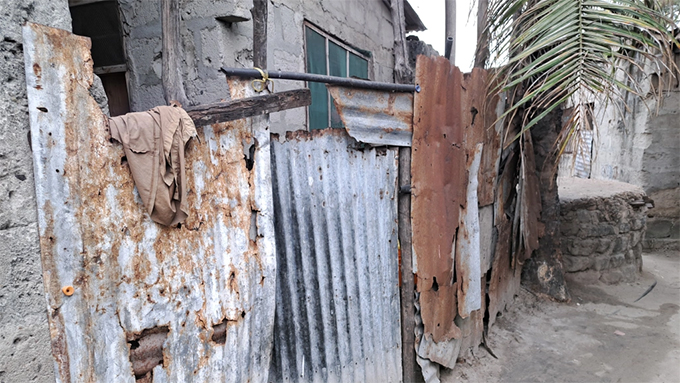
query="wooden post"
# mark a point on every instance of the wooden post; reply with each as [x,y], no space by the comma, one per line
[410,369]
[402,72]
[482,51]
[259,13]
[173,87]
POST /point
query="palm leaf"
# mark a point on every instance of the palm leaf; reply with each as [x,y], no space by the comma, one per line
[571,50]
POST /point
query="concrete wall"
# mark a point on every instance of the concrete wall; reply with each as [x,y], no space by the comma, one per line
[25,353]
[209,44]
[642,147]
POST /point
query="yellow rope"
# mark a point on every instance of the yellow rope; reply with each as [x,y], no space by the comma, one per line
[259,85]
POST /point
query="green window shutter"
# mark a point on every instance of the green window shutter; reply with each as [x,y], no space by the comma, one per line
[358,67]
[316,63]
[337,66]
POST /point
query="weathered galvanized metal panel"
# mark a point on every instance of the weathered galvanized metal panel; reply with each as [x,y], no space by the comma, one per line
[468,250]
[438,183]
[207,286]
[337,313]
[375,117]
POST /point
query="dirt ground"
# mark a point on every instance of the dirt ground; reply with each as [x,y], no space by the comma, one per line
[601,336]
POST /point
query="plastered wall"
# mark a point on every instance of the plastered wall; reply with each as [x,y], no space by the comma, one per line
[641,146]
[25,353]
[209,43]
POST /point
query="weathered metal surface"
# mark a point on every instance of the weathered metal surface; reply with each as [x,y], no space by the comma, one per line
[468,251]
[505,279]
[130,274]
[438,183]
[491,155]
[337,313]
[487,238]
[530,201]
[375,117]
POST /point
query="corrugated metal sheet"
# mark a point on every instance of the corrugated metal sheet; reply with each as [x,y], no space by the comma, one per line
[438,188]
[132,277]
[337,313]
[375,117]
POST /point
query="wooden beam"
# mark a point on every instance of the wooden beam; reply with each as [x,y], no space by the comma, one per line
[259,12]
[173,87]
[248,107]
[402,72]
[410,369]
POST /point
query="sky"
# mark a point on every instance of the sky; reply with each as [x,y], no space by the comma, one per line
[432,14]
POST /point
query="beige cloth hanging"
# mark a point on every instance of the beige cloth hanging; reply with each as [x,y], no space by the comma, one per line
[154,143]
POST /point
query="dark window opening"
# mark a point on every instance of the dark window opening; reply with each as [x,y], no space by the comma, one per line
[327,56]
[100,21]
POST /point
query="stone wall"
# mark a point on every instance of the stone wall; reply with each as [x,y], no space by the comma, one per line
[602,226]
[209,44]
[25,352]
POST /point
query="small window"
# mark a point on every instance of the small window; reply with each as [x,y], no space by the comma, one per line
[100,21]
[328,56]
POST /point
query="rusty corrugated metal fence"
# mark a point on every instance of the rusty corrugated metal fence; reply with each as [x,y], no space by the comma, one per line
[287,268]
[337,310]
[199,297]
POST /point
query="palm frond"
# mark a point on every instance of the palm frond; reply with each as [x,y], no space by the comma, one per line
[559,50]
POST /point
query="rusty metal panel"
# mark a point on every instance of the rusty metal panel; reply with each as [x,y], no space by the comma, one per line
[438,182]
[505,280]
[203,291]
[375,117]
[468,250]
[337,313]
[491,155]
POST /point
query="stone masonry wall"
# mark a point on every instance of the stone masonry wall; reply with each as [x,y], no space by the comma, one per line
[602,236]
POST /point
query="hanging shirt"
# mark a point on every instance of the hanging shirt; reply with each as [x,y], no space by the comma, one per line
[154,143]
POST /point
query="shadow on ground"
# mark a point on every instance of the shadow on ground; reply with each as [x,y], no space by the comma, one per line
[603,335]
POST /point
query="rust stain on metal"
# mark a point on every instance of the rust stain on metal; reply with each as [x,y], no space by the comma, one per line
[435,306]
[488,171]
[129,273]
[375,117]
[438,180]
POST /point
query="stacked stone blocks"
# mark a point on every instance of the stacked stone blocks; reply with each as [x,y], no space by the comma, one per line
[602,236]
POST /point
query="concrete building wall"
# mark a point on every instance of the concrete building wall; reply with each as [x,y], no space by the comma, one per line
[209,44]
[25,352]
[642,147]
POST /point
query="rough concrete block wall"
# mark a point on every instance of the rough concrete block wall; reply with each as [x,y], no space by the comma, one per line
[210,43]
[643,148]
[602,236]
[25,353]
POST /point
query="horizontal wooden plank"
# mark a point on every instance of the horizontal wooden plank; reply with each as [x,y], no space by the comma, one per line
[248,107]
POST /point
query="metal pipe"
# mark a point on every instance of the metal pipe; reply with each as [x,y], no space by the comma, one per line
[447,48]
[450,12]
[345,81]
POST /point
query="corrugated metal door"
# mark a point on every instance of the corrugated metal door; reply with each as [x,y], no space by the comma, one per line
[190,304]
[337,301]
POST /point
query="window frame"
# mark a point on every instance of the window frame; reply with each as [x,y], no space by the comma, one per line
[117,68]
[328,37]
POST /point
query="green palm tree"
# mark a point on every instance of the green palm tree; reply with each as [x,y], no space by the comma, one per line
[553,52]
